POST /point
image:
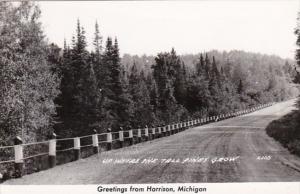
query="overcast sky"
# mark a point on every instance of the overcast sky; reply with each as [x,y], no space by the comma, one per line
[149,27]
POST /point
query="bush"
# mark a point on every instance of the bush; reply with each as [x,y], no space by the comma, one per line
[286,130]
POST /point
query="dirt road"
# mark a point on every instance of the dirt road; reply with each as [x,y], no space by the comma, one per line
[233,150]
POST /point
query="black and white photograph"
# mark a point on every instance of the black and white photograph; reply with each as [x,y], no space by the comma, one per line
[121,94]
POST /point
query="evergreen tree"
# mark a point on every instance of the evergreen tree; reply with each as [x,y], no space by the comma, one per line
[214,87]
[153,92]
[207,66]
[97,41]
[197,89]
[142,109]
[117,100]
[165,93]
[164,76]
[177,74]
[80,94]
[96,56]
[200,66]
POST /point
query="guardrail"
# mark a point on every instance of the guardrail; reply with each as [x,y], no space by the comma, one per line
[95,140]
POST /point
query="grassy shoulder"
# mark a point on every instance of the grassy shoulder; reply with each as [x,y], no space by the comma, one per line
[286,130]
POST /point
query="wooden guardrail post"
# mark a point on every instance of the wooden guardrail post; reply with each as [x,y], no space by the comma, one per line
[121,138]
[169,130]
[77,148]
[18,148]
[130,134]
[146,133]
[95,142]
[153,132]
[164,131]
[139,135]
[109,141]
[52,150]
[159,131]
[150,129]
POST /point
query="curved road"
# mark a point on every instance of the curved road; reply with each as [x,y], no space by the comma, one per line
[233,150]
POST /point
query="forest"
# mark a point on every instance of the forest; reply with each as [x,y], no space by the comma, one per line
[73,90]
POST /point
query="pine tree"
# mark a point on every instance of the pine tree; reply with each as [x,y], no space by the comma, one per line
[214,87]
[215,74]
[177,75]
[96,56]
[97,41]
[142,109]
[207,66]
[200,66]
[164,76]
[197,89]
[117,100]
[153,92]
[80,94]
[180,85]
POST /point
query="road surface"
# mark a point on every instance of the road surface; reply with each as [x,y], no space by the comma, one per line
[233,150]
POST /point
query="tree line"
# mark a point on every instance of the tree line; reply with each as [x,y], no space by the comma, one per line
[73,90]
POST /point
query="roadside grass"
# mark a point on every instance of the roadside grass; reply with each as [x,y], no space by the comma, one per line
[286,130]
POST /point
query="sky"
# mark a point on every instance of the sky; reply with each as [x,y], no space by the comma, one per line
[150,27]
